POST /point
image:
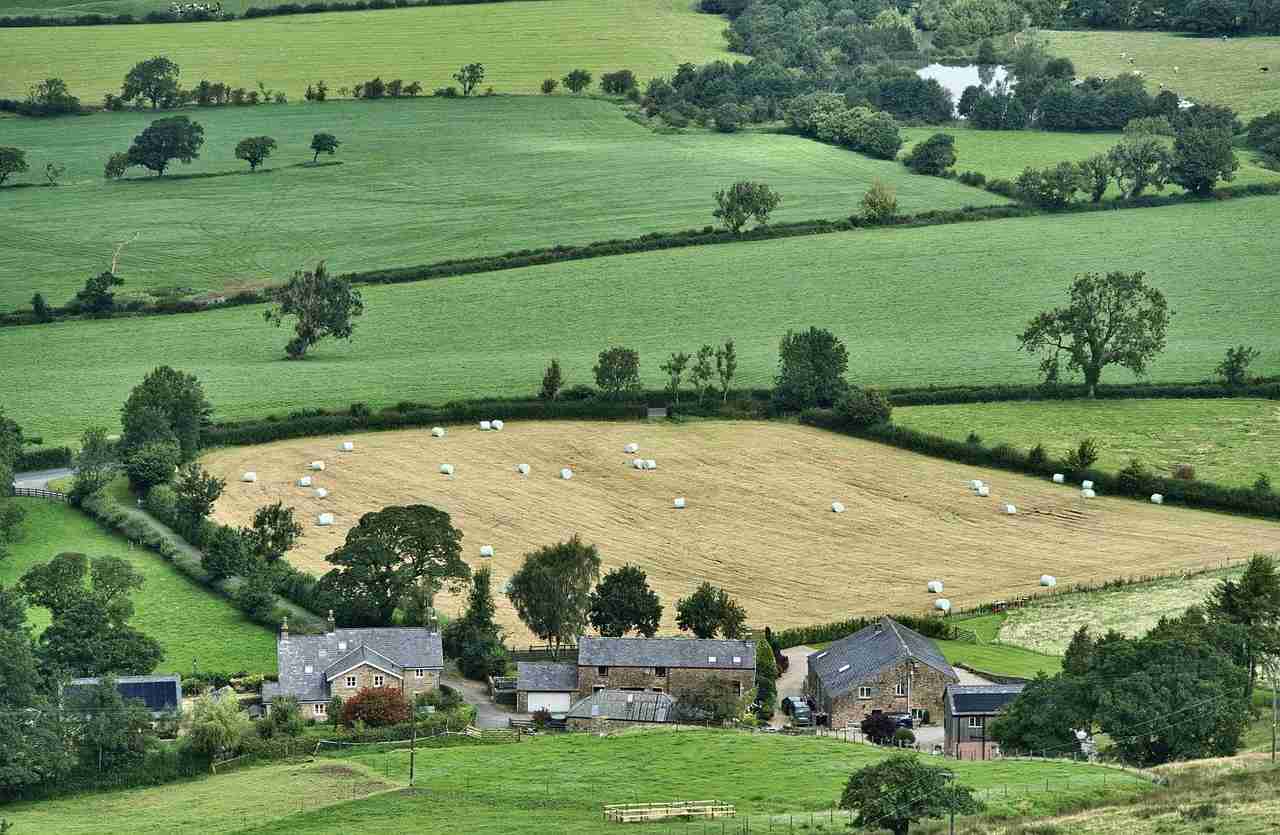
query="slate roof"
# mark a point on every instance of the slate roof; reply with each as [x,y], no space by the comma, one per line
[540,677]
[404,647]
[857,657]
[623,706]
[984,699]
[363,654]
[161,694]
[666,652]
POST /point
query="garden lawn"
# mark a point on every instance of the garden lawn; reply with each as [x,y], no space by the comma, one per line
[939,305]
[558,783]
[1222,71]
[519,44]
[1227,441]
[189,621]
[420,180]
[1000,659]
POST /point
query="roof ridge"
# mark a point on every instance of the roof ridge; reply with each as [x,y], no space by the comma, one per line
[893,624]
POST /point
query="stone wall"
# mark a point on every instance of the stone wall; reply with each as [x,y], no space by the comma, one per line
[367,676]
[849,709]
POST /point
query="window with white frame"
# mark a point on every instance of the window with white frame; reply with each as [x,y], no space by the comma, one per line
[377,681]
[864,692]
[308,669]
[351,681]
[900,689]
[320,709]
[977,721]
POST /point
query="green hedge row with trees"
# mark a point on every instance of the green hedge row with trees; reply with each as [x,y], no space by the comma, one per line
[795,636]
[162,16]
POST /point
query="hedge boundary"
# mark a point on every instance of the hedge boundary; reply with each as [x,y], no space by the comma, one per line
[930,627]
[654,241]
[1266,389]
[43,458]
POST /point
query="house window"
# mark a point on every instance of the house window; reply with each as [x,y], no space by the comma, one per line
[737,659]
[351,681]
[320,710]
[658,690]
[602,670]
[308,669]
[900,689]
[660,672]
[977,721]
[377,681]
[419,673]
[711,659]
[864,692]
[597,688]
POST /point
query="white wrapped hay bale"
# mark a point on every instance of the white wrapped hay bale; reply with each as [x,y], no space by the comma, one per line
[679,503]
[249,477]
[437,431]
[984,490]
[1059,478]
[631,449]
[935,587]
[566,474]
[976,484]
[321,493]
[522,469]
[305,481]
[1086,484]
[485,426]
[446,469]
[1010,509]
[1157,498]
[347,446]
[486,550]
[650,464]
[318,466]
[496,425]
[837,507]
[638,463]
[942,605]
[325,520]
[1088,494]
[1048,580]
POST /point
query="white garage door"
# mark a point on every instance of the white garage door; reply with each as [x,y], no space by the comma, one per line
[553,702]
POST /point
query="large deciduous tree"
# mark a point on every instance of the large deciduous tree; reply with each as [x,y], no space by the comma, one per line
[387,554]
[577,80]
[617,370]
[1251,603]
[324,305]
[1201,157]
[811,368]
[933,156]
[710,611]
[324,143]
[163,141]
[154,80]
[1119,319]
[274,531]
[623,602]
[895,793]
[674,368]
[552,590]
[168,405]
[469,76]
[197,490]
[254,150]
[1141,162]
[743,201]
[12,161]
[97,298]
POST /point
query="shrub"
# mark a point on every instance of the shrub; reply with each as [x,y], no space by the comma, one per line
[972,178]
[728,117]
[879,728]
[879,204]
[1082,457]
[973,438]
[933,156]
[162,502]
[376,707]
[151,464]
[1135,479]
[549,86]
[1263,483]
[1234,368]
[449,92]
[904,737]
[864,407]
[541,717]
[617,83]
[1037,458]
[1184,472]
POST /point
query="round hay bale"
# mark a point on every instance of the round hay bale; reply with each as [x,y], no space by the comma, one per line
[249,477]
[1086,484]
[305,481]
[650,464]
[1157,498]
[522,469]
[1088,494]
[631,448]
[321,493]
[437,431]
[1048,580]
[318,466]
[486,550]
[325,520]
[566,474]
[446,469]
[837,507]
[935,587]
[1059,478]
[497,425]
[485,426]
[347,446]
[942,605]
[638,463]
[679,502]
[976,484]
[1010,509]
[984,490]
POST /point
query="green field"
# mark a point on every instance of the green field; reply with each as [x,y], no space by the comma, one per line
[883,291]
[420,181]
[188,621]
[1208,69]
[1227,441]
[1004,154]
[519,44]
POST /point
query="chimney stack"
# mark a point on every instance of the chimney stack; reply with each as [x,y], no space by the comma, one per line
[333,624]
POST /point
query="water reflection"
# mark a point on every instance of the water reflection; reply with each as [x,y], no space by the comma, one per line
[955,79]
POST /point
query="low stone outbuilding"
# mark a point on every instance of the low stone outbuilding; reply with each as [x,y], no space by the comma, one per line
[606,710]
[969,709]
[545,686]
[882,668]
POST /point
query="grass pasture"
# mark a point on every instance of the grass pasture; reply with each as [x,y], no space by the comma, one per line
[420,181]
[1227,441]
[758,521]
[1222,71]
[882,291]
[519,43]
[189,621]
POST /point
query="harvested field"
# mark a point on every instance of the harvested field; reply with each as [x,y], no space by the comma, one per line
[758,521]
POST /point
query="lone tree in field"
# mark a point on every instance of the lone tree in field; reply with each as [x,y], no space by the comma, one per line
[811,367]
[552,590]
[577,80]
[469,77]
[324,143]
[1234,368]
[324,305]
[1119,319]
[711,610]
[154,80]
[674,368]
[12,161]
[618,370]
[549,86]
[1201,157]
[745,200]
[165,140]
[932,156]
[623,602]
[552,381]
[255,149]
[896,792]
[387,555]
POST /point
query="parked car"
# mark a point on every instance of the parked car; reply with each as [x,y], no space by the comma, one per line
[902,720]
[801,715]
[790,702]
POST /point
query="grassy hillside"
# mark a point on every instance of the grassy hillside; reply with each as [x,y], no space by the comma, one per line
[1228,441]
[519,43]
[1225,71]
[882,291]
[421,180]
[188,621]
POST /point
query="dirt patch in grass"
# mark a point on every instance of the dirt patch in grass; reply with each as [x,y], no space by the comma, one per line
[758,520]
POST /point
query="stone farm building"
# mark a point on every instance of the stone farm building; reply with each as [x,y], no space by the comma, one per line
[342,662]
[606,710]
[882,668]
[673,666]
[969,709]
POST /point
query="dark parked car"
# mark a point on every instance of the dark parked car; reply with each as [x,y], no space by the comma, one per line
[801,715]
[902,720]
[790,702]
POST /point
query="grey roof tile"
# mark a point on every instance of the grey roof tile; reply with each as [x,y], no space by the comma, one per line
[541,677]
[667,652]
[406,647]
[857,657]
[981,698]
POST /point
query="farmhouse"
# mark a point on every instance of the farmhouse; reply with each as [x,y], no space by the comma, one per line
[620,707]
[162,695]
[968,709]
[883,668]
[342,662]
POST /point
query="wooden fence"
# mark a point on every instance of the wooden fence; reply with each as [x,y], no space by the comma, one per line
[37,493]
[640,812]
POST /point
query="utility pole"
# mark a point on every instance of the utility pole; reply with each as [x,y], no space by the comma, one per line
[1275,687]
[413,748]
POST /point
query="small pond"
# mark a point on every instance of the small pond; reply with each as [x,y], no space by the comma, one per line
[955,79]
